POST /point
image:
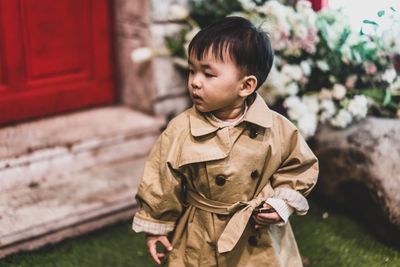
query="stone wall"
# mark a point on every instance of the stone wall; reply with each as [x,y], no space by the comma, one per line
[171,97]
[155,86]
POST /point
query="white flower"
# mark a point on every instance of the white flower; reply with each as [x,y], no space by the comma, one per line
[353,39]
[278,15]
[328,109]
[307,124]
[292,89]
[339,91]
[141,54]
[178,12]
[303,112]
[395,86]
[302,6]
[342,119]
[305,67]
[291,102]
[295,107]
[357,57]
[389,75]
[370,45]
[292,71]
[358,107]
[312,103]
[345,50]
[248,4]
[300,30]
[322,65]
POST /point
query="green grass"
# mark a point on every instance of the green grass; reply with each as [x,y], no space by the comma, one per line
[339,240]
[114,246]
[335,241]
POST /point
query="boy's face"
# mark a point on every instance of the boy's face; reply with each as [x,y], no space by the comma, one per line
[214,85]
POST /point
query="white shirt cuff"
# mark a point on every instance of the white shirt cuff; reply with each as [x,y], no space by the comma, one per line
[292,198]
[280,206]
[139,225]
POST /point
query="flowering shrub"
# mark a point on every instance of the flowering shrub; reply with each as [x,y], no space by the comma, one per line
[324,71]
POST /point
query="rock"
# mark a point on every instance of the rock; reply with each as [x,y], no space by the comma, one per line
[360,170]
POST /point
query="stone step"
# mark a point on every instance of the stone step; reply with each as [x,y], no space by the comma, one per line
[32,152]
[72,173]
[70,205]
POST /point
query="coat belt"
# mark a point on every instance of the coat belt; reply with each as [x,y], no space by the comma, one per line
[241,210]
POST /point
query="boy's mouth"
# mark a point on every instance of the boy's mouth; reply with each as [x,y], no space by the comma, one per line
[196,98]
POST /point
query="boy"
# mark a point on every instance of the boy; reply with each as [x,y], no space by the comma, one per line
[225,175]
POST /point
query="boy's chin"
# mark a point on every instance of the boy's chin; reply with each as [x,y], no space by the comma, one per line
[201,108]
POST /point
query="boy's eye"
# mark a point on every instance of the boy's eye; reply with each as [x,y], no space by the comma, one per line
[209,75]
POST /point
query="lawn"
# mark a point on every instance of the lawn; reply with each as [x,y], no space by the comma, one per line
[325,238]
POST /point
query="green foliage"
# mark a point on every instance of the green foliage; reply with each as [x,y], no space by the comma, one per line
[174,43]
[205,12]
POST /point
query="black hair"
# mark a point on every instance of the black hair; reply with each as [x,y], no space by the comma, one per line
[247,46]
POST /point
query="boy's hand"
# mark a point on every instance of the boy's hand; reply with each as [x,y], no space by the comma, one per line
[265,219]
[151,242]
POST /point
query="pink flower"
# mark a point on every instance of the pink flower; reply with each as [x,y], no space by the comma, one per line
[370,68]
[325,94]
[303,80]
[339,91]
[351,81]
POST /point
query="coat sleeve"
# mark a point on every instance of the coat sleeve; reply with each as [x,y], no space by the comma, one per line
[298,172]
[159,195]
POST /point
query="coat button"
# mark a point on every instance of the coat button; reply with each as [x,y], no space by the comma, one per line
[253,133]
[253,241]
[254,174]
[220,180]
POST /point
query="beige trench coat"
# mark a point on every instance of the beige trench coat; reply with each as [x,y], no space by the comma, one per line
[225,165]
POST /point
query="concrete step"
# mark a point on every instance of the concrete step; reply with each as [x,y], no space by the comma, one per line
[79,172]
[82,200]
[31,152]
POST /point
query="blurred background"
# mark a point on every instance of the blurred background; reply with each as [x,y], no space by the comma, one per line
[86,86]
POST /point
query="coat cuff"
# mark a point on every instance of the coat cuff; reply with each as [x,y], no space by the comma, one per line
[294,199]
[281,208]
[140,225]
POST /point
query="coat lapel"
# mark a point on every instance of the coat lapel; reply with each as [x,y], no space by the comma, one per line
[207,142]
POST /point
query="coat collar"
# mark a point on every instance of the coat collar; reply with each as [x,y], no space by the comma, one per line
[258,113]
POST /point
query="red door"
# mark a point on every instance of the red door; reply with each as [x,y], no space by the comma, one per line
[55,56]
[319,4]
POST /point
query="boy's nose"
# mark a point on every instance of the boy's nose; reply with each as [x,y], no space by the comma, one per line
[196,84]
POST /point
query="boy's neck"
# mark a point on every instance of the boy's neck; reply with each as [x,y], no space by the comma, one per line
[231,114]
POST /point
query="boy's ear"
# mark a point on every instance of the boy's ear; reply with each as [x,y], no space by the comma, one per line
[249,85]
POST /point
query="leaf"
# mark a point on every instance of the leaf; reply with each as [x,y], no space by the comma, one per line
[377,94]
[367,21]
[381,13]
[343,37]
[387,98]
